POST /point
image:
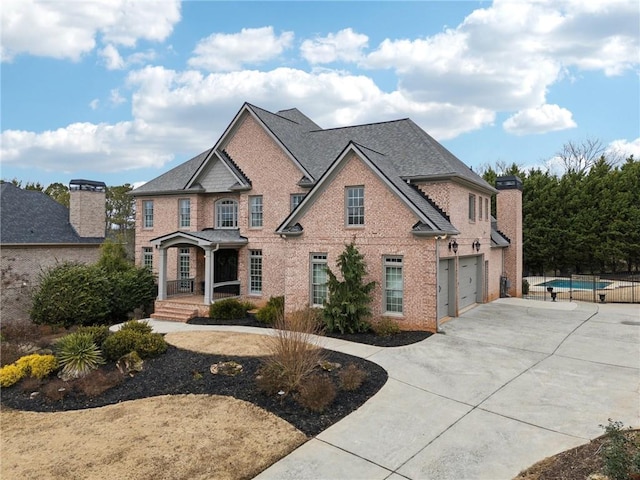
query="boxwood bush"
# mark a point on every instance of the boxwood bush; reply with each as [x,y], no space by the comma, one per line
[228,309]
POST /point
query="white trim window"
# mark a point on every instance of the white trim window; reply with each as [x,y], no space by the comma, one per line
[486,209]
[479,208]
[393,285]
[184,213]
[296,199]
[355,206]
[147,214]
[255,272]
[472,207]
[184,269]
[147,257]
[319,291]
[226,213]
[255,211]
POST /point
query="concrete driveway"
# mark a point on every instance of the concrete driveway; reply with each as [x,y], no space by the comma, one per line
[507,384]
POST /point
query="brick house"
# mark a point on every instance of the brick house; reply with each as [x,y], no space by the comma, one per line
[276,199]
[36,233]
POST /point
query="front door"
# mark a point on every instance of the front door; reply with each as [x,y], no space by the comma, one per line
[225,269]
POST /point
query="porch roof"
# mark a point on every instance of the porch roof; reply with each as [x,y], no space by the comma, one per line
[207,237]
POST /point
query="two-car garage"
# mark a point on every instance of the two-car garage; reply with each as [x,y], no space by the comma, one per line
[468,282]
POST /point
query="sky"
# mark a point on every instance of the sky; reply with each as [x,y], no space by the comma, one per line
[122,91]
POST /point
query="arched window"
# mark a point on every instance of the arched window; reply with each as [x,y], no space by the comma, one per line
[226,214]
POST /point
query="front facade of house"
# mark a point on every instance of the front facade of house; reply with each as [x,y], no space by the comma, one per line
[275,201]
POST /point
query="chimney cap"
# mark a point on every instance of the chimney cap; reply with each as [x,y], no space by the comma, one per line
[509,182]
[92,185]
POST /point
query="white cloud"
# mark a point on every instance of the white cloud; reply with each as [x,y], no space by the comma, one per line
[222,52]
[115,98]
[346,45]
[623,149]
[542,119]
[68,30]
[112,58]
[94,104]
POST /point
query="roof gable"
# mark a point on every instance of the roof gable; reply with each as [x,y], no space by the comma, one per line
[32,217]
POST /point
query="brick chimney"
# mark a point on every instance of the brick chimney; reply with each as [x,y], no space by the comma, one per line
[87,207]
[509,216]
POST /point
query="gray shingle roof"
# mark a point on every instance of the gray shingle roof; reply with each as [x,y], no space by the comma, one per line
[28,217]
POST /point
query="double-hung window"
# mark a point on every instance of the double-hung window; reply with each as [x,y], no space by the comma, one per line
[184,269]
[147,214]
[355,206]
[319,276]
[184,213]
[255,211]
[226,214]
[486,209]
[472,207]
[296,198]
[393,285]
[147,257]
[255,272]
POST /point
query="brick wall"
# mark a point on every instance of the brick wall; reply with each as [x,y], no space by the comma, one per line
[20,268]
[509,212]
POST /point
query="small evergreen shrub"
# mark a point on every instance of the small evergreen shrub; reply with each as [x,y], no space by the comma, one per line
[78,355]
[10,375]
[621,453]
[385,327]
[351,377]
[316,393]
[127,340]
[98,333]
[273,310]
[228,309]
[137,326]
[525,286]
[37,366]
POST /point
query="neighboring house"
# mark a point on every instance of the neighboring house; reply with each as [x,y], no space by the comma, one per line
[274,202]
[36,233]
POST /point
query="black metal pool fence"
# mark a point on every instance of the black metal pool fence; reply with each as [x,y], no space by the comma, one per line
[606,288]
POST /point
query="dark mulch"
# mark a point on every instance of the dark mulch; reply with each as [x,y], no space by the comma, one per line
[397,340]
[183,372]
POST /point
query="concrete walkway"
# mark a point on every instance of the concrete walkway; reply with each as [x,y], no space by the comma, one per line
[507,384]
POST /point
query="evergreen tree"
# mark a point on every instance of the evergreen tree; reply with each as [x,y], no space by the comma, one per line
[347,309]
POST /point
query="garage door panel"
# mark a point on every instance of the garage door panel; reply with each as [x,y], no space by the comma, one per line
[443,288]
[468,281]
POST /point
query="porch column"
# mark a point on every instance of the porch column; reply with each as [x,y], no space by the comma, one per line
[162,274]
[208,274]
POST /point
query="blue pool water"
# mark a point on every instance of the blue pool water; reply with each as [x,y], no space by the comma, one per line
[575,284]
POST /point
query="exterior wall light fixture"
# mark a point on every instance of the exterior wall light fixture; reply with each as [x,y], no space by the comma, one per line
[476,245]
[453,245]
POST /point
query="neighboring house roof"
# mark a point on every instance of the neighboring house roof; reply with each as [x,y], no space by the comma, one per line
[32,217]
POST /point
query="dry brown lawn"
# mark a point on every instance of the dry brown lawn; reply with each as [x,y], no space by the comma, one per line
[167,437]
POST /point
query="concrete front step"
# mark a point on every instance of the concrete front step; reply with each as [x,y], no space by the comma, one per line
[175,313]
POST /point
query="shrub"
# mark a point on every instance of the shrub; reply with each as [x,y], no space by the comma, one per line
[137,326]
[228,309]
[98,382]
[621,454]
[37,366]
[348,305]
[10,353]
[294,350]
[273,310]
[98,333]
[78,355]
[351,377]
[129,340]
[10,375]
[525,286]
[385,327]
[130,289]
[316,393]
[55,390]
[71,294]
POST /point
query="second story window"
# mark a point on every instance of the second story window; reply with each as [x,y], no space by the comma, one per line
[296,198]
[147,214]
[355,206]
[184,214]
[255,211]
[226,214]
[472,207]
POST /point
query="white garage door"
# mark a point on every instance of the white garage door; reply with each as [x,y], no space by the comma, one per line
[443,288]
[468,281]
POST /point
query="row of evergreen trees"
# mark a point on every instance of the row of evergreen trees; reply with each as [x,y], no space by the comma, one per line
[585,221]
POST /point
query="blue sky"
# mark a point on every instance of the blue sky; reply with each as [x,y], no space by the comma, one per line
[122,91]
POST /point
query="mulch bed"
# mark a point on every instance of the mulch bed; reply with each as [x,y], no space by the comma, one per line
[186,372]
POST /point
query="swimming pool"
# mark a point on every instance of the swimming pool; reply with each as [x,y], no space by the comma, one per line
[575,284]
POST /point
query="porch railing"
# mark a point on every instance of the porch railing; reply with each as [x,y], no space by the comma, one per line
[189,286]
[184,286]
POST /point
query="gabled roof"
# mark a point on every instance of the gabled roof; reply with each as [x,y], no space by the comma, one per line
[210,236]
[32,217]
[431,220]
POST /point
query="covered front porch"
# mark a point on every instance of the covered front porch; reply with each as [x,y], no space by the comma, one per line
[215,276]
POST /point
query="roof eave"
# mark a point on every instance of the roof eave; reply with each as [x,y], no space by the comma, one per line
[454,177]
